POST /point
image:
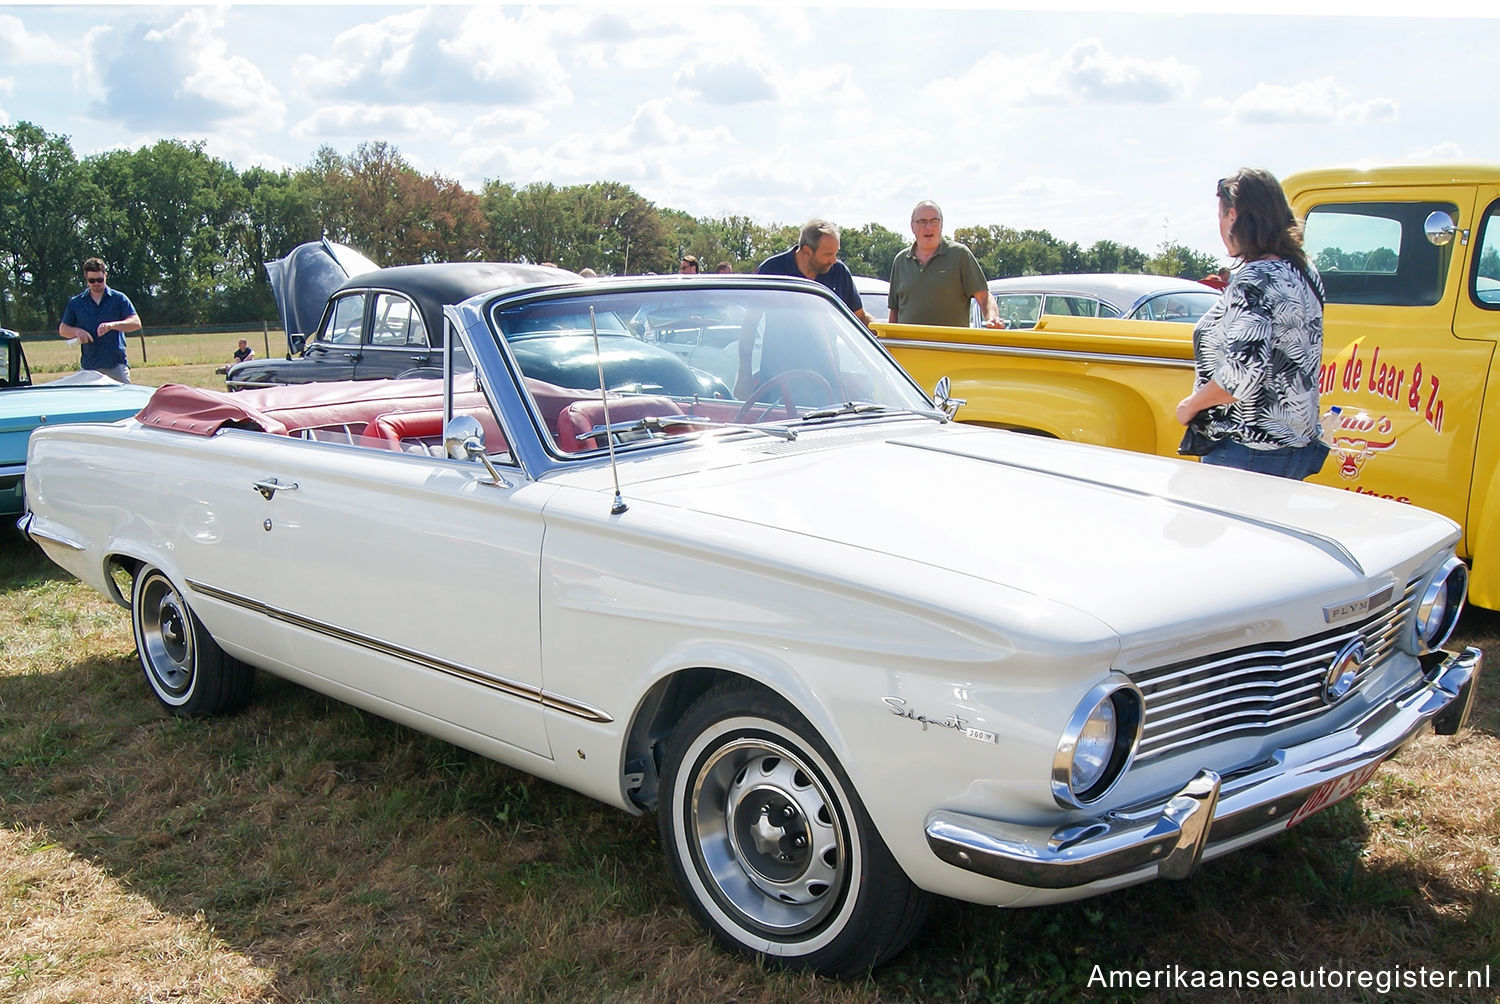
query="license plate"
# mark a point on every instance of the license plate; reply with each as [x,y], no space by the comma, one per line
[1333,791]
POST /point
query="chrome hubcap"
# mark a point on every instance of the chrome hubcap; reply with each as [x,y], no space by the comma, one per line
[769,836]
[166,641]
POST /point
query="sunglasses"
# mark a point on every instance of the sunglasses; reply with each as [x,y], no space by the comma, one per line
[1223,190]
[95,282]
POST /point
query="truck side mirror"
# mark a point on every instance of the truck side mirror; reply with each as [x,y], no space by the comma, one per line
[295,344]
[1440,228]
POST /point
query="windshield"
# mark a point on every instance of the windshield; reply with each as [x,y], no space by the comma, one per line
[679,361]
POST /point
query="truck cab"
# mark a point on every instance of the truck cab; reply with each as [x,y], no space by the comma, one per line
[1410,260]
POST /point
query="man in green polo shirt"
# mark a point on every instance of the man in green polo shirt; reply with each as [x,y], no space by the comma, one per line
[933,280]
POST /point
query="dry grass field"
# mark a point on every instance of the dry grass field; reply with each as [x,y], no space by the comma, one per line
[306,851]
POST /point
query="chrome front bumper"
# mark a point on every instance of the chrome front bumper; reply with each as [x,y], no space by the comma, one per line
[1167,837]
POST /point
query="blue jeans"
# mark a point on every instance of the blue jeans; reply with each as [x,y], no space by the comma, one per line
[1295,462]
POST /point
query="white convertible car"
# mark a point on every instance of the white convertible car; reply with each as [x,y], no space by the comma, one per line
[851,653]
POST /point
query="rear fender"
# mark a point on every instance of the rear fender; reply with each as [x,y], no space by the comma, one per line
[1077,408]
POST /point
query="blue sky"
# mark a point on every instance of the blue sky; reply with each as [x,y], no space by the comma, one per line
[1105,124]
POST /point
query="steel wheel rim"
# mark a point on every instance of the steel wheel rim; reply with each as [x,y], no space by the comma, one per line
[768,837]
[166,637]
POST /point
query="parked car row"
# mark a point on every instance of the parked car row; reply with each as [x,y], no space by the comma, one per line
[700,548]
[1024,300]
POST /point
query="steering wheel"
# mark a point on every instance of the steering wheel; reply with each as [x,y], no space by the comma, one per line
[783,382]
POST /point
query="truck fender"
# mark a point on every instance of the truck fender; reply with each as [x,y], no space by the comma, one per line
[1077,408]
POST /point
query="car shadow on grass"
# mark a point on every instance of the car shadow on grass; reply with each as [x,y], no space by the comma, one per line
[351,857]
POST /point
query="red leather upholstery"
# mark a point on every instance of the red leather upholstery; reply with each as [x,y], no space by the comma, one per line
[390,429]
[579,418]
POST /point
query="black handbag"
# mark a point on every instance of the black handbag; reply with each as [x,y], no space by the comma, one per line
[1195,441]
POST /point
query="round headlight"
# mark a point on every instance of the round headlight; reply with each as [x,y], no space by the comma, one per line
[1097,743]
[1441,603]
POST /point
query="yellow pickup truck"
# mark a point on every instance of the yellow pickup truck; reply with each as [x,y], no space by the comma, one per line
[1410,258]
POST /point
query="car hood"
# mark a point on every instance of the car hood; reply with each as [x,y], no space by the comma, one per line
[304,279]
[1134,541]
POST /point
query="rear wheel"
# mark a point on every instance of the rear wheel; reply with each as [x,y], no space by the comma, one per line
[769,843]
[184,666]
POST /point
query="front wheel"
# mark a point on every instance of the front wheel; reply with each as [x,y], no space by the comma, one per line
[184,666]
[769,843]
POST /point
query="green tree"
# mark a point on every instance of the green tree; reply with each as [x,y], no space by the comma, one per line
[44,194]
[1176,259]
[870,250]
[164,225]
[1107,256]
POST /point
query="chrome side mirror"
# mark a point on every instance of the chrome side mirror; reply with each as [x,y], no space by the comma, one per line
[463,439]
[1440,228]
[943,402]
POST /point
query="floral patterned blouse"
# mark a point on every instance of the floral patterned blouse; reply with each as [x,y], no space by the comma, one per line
[1263,343]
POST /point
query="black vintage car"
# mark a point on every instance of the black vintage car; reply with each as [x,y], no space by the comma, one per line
[371,323]
[381,323]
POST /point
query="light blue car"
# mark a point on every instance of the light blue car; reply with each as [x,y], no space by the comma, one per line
[86,396]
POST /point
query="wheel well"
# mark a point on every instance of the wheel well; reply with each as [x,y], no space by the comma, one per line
[122,571]
[660,710]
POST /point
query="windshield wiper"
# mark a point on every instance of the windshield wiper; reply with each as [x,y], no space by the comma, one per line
[862,408]
[659,423]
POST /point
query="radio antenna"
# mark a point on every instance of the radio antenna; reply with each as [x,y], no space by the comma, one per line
[619,505]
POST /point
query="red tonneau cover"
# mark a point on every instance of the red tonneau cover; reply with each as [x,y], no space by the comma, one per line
[280,410]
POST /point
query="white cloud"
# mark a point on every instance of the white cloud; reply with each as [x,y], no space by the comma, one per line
[649,145]
[442,54]
[1315,101]
[1441,151]
[367,121]
[27,48]
[729,83]
[502,122]
[1089,73]
[181,78]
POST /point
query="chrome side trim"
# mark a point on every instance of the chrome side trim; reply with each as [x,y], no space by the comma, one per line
[511,688]
[1166,837]
[1005,350]
[27,525]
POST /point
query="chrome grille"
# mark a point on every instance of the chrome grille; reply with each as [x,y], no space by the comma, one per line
[1256,690]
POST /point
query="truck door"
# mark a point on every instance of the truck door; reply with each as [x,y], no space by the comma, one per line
[1476,323]
[1408,383]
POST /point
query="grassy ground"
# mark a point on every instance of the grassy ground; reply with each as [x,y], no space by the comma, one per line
[189,358]
[306,851]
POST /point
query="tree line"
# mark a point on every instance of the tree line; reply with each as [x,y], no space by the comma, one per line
[186,235]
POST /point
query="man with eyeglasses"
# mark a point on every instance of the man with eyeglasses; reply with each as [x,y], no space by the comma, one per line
[98,319]
[933,280]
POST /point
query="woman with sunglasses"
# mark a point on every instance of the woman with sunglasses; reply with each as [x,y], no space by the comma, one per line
[1258,351]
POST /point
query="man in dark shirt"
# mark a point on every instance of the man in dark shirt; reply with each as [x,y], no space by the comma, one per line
[98,319]
[816,257]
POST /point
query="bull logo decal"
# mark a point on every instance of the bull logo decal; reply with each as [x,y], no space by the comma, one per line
[1358,438]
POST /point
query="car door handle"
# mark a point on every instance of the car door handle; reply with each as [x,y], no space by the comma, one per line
[270,486]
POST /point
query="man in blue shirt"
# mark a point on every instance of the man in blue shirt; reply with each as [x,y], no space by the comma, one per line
[98,319]
[816,257]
